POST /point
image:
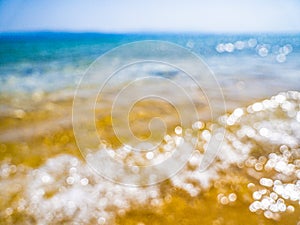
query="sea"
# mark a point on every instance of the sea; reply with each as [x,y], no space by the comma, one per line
[51,61]
[255,173]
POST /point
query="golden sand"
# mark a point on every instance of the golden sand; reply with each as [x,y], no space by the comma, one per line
[32,132]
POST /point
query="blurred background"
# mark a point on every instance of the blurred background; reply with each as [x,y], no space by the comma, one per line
[252,48]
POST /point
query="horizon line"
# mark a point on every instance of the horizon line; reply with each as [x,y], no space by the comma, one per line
[70,31]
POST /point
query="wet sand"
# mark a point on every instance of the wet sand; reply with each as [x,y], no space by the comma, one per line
[37,128]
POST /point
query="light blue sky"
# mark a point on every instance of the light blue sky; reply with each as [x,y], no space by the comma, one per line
[151,15]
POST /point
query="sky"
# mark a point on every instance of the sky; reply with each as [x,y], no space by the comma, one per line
[150,16]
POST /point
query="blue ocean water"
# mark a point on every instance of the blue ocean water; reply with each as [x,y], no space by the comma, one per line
[50,61]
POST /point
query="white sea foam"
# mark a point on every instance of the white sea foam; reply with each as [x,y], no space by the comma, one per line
[66,189]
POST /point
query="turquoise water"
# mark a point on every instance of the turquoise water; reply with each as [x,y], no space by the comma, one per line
[50,61]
